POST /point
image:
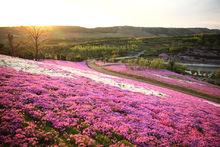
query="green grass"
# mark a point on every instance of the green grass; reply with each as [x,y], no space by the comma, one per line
[117,136]
[72,130]
[102,139]
[2,106]
[47,127]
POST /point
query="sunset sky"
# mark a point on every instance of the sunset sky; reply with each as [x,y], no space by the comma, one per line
[101,13]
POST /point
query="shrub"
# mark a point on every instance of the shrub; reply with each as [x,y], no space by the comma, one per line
[141,62]
[157,63]
[179,68]
[130,62]
[217,74]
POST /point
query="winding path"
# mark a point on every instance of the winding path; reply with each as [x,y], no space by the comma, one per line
[91,64]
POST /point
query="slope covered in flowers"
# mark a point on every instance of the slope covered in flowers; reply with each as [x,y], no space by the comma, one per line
[166,77]
[64,103]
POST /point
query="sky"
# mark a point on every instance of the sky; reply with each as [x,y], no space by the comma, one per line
[104,13]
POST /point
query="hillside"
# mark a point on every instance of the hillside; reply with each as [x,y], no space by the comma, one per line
[61,103]
[70,32]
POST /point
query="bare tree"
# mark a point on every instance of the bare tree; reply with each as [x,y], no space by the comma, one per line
[37,34]
[13,45]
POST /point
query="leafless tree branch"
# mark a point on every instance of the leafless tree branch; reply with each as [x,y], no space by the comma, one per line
[36,33]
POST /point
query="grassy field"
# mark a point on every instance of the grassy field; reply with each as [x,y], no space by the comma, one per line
[81,48]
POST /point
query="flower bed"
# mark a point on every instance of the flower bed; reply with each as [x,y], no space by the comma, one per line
[166,77]
[63,103]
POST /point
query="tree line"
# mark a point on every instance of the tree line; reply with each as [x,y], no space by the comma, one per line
[33,45]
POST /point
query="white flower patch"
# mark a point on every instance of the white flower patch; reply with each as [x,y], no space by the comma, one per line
[71,72]
[29,66]
[102,78]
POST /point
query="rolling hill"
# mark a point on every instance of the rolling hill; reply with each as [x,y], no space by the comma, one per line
[69,32]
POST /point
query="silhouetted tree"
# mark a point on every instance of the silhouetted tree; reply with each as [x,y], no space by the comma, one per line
[37,34]
[12,44]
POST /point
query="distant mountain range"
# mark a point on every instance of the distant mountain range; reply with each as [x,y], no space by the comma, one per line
[129,31]
[68,32]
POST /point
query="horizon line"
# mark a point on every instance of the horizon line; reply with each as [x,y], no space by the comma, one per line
[2,26]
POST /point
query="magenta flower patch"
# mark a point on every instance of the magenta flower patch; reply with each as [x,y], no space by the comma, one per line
[65,103]
[166,77]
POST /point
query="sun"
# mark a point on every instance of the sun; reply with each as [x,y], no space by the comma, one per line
[54,12]
[34,12]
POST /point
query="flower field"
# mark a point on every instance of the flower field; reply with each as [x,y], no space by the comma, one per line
[64,103]
[167,77]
